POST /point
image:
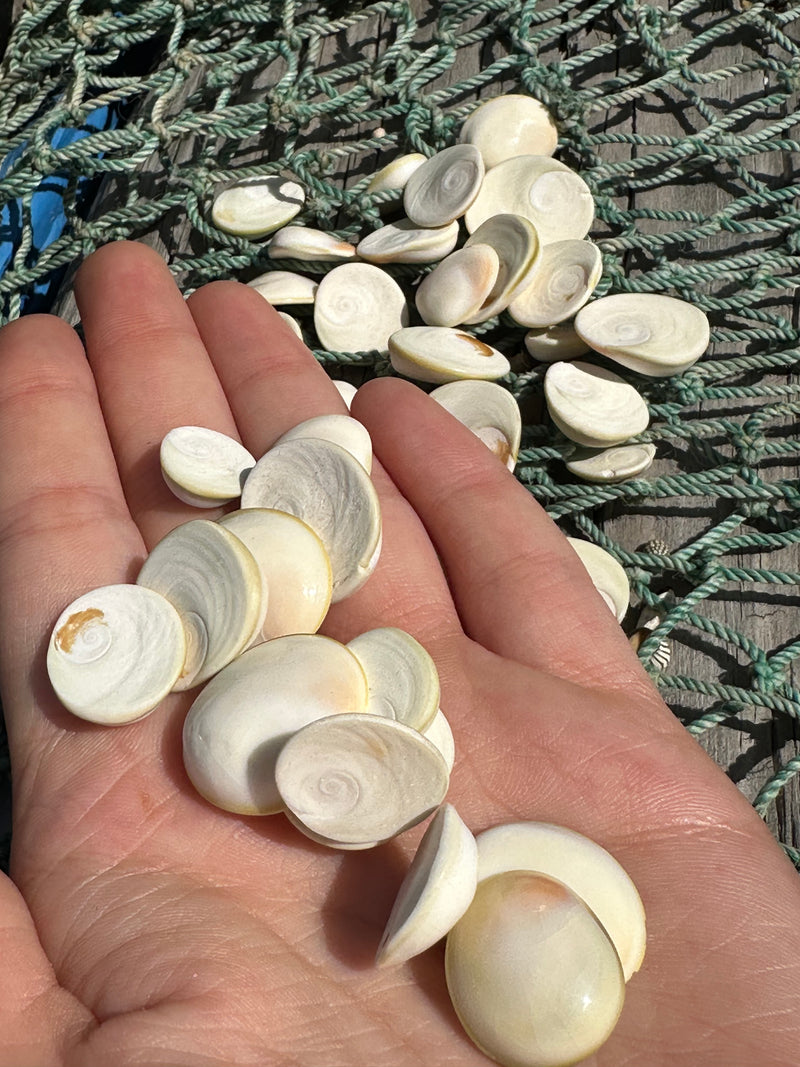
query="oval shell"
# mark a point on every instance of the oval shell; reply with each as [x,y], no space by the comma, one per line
[343,430]
[593,406]
[565,277]
[401,675]
[405,242]
[442,189]
[203,467]
[518,248]
[285,287]
[610,465]
[607,575]
[489,410]
[457,288]
[358,307]
[556,344]
[508,126]
[440,354]
[304,242]
[257,206]
[393,177]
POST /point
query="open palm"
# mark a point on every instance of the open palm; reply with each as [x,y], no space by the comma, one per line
[144,926]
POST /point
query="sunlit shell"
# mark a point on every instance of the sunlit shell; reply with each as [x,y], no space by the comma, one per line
[607,575]
[444,186]
[346,390]
[649,333]
[358,307]
[440,354]
[401,675]
[593,406]
[440,734]
[257,206]
[611,464]
[555,345]
[304,242]
[295,569]
[115,653]
[358,779]
[406,242]
[553,197]
[517,245]
[649,619]
[532,975]
[239,723]
[565,277]
[458,287]
[322,484]
[292,323]
[213,581]
[436,891]
[203,467]
[583,866]
[393,177]
[343,430]
[489,410]
[285,287]
[510,125]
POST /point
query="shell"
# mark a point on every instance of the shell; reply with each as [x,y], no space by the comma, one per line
[649,333]
[436,891]
[115,653]
[203,467]
[405,242]
[213,581]
[346,390]
[510,125]
[457,288]
[239,723]
[285,287]
[393,177]
[294,566]
[649,619]
[518,249]
[611,464]
[565,277]
[440,354]
[549,194]
[322,484]
[532,975]
[359,779]
[401,675]
[292,323]
[440,735]
[593,406]
[554,345]
[304,242]
[608,576]
[489,410]
[257,206]
[358,307]
[586,868]
[444,186]
[342,430]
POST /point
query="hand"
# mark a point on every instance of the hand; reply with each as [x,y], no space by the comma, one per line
[145,926]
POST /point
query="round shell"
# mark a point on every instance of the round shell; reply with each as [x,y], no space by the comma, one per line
[508,126]
[285,287]
[593,406]
[401,675]
[358,307]
[555,344]
[565,277]
[607,575]
[649,333]
[489,410]
[203,467]
[444,186]
[440,354]
[517,245]
[611,464]
[458,287]
[257,206]
[292,323]
[405,242]
[531,973]
[239,723]
[115,653]
[304,242]
[342,430]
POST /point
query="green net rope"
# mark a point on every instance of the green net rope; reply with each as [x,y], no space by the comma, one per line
[684,122]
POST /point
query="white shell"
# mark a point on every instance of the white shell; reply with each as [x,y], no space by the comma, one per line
[321,483]
[532,975]
[359,779]
[444,186]
[611,464]
[304,242]
[346,390]
[406,242]
[649,333]
[239,723]
[292,323]
[489,410]
[555,344]
[518,248]
[285,287]
[257,206]
[607,575]
[342,430]
[393,177]
[586,868]
[456,289]
[510,125]
[203,467]
[441,354]
[553,197]
[358,307]
[295,569]
[401,675]
[436,891]
[440,734]
[593,406]
[215,584]
[565,277]
[115,653]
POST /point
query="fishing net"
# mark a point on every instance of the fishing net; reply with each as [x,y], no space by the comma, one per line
[123,121]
